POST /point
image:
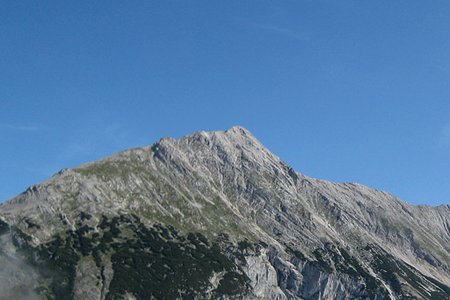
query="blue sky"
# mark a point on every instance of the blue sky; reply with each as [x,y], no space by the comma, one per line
[343,90]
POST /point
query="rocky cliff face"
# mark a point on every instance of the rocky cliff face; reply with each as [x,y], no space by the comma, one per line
[217,215]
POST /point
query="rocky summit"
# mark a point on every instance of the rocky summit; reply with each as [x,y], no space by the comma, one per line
[216,215]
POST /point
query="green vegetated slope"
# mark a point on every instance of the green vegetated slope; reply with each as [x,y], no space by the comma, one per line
[147,262]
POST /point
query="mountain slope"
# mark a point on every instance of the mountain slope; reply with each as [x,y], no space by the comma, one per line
[216,214]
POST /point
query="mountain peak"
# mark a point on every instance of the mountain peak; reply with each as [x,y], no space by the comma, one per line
[223,191]
[235,133]
[235,139]
[238,130]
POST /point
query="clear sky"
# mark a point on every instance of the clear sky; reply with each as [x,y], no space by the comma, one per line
[342,90]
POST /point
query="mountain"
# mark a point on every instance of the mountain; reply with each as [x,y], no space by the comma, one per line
[215,215]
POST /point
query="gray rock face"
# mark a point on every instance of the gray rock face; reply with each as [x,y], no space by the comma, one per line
[263,277]
[315,239]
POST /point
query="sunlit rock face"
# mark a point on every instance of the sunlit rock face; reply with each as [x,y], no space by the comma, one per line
[215,215]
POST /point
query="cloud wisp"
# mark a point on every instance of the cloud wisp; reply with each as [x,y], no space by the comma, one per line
[18,279]
[276,29]
[19,127]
